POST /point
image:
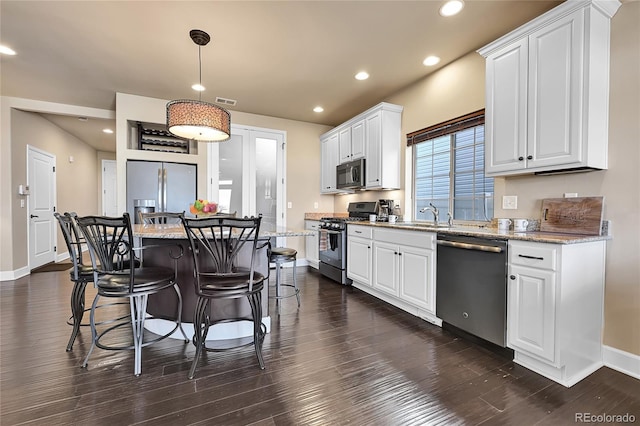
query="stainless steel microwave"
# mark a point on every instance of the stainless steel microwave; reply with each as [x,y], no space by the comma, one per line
[350,175]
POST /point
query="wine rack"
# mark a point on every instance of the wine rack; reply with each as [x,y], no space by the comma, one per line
[153,139]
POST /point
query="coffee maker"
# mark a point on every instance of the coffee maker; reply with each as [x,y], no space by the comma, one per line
[385,208]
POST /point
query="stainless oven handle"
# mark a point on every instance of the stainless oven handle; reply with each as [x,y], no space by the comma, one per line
[469,246]
[332,232]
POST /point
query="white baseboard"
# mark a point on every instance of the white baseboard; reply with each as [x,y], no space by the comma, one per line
[15,274]
[621,361]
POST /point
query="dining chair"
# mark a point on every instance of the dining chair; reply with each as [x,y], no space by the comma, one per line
[111,249]
[215,244]
[154,218]
[80,275]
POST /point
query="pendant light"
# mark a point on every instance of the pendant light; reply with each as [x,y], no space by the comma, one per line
[198,120]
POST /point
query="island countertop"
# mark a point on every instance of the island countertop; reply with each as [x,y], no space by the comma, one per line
[176,232]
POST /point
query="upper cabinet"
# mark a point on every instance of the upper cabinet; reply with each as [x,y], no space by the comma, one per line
[329,162]
[547,92]
[352,141]
[373,135]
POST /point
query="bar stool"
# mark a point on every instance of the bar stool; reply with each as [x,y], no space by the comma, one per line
[279,256]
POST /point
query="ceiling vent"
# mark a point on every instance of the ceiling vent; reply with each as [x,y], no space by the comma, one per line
[224,101]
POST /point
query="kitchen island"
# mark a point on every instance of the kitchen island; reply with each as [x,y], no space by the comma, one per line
[163,305]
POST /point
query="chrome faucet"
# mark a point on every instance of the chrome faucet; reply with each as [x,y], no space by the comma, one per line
[433,209]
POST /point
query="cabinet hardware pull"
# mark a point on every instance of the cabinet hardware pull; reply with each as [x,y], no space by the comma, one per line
[529,157]
[469,246]
[520,158]
[513,277]
[531,257]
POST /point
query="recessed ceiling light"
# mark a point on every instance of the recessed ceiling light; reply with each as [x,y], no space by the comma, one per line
[7,50]
[431,60]
[362,75]
[318,109]
[198,87]
[109,131]
[452,7]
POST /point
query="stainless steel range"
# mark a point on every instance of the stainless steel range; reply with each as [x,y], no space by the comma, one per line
[333,240]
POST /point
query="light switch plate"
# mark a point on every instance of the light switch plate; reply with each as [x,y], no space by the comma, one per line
[509,202]
[289,204]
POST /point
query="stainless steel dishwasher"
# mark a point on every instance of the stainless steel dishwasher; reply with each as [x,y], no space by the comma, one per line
[471,285]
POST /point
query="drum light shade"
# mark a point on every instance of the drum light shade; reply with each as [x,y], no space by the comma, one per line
[198,120]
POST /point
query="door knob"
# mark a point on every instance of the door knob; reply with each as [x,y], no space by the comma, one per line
[32,216]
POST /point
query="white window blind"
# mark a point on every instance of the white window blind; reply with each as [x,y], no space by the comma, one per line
[449,170]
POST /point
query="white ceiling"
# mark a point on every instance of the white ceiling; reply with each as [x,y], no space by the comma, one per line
[276,58]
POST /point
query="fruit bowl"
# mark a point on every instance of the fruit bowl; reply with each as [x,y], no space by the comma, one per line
[203,208]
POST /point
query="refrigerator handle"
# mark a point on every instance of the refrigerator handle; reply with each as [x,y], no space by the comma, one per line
[160,192]
[164,187]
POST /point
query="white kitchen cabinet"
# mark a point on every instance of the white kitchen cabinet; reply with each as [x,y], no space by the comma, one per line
[311,242]
[555,308]
[352,142]
[417,277]
[383,146]
[547,92]
[374,135]
[359,253]
[401,265]
[386,266]
[328,163]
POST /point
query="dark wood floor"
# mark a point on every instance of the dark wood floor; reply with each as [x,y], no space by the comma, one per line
[344,357]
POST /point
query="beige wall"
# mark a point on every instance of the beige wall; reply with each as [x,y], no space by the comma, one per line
[76,181]
[458,89]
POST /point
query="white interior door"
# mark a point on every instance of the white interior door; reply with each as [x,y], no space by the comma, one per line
[246,174]
[109,188]
[42,196]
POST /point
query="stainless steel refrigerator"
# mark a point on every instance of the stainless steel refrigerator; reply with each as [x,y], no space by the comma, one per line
[160,186]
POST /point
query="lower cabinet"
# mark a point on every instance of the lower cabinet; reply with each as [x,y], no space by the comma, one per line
[397,266]
[311,243]
[359,248]
[555,300]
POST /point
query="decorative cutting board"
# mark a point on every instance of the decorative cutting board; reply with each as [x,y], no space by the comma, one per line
[580,215]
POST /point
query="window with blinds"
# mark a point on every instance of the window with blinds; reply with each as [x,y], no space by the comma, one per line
[448,170]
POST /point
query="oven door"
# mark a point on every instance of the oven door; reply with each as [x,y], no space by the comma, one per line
[331,248]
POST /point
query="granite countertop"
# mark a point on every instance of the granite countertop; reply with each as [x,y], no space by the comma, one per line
[176,232]
[490,232]
[318,216]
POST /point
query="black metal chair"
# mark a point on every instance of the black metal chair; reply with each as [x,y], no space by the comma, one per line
[157,218]
[110,245]
[215,244]
[279,256]
[80,275]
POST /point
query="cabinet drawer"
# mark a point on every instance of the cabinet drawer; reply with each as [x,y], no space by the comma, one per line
[533,255]
[312,224]
[406,238]
[359,231]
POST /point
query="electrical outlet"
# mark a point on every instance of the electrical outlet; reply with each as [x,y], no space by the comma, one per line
[509,202]
[570,194]
[289,204]
[315,205]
